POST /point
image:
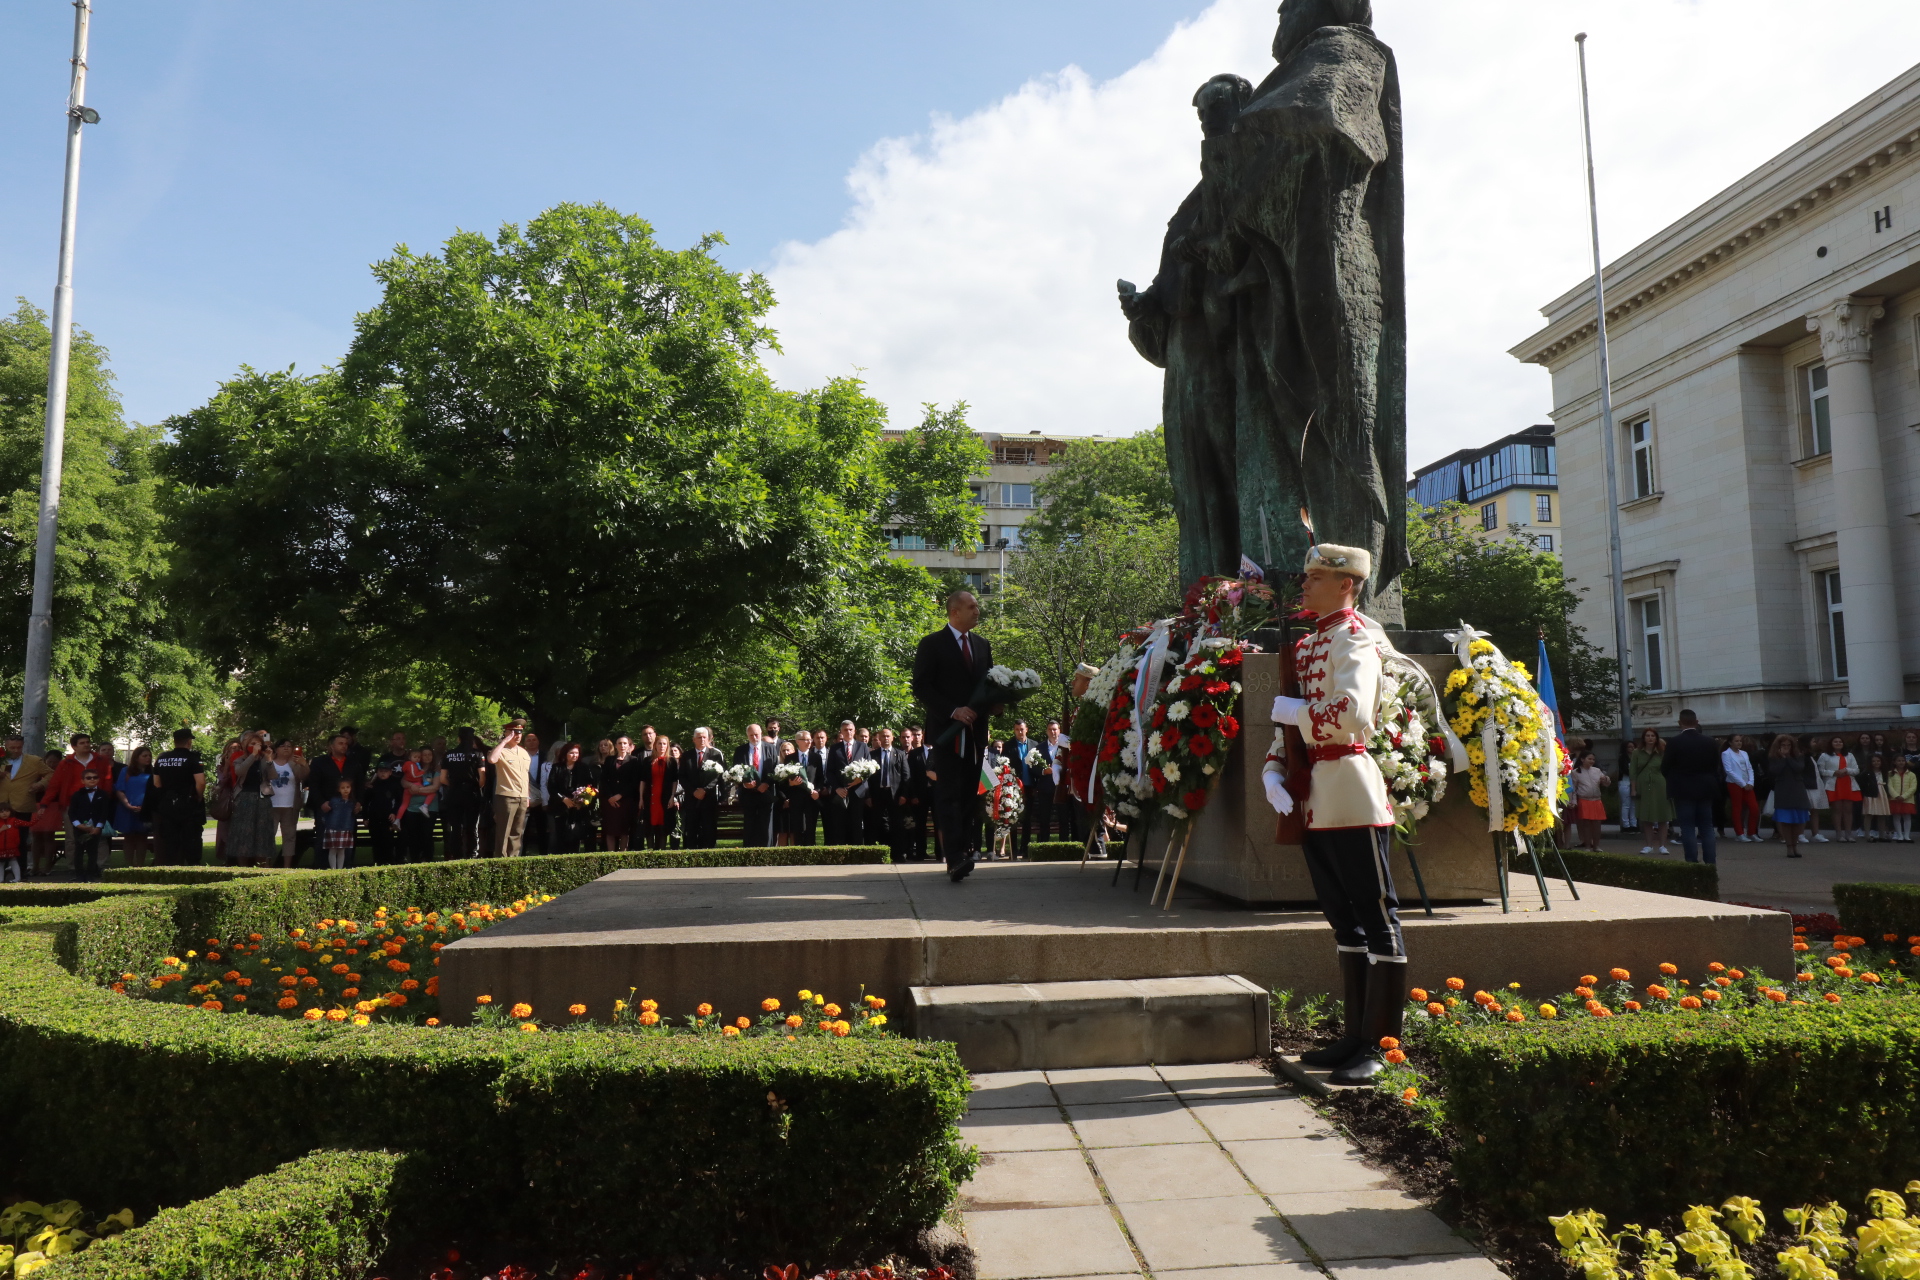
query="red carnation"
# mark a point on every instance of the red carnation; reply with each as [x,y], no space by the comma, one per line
[1159,716]
[1217,687]
[1205,717]
[1200,744]
[1170,739]
[1111,751]
[1159,778]
[1231,658]
[1195,801]
[1189,684]
[1229,727]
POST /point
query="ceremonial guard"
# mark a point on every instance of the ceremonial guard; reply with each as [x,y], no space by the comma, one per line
[1349,816]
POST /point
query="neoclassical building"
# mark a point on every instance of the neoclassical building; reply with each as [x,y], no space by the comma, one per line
[1765,353]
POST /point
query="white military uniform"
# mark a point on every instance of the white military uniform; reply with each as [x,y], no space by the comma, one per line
[1338,667]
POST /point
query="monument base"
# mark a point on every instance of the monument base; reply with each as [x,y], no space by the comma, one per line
[732,936]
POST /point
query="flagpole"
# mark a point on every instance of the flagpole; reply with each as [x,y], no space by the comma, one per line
[1606,415]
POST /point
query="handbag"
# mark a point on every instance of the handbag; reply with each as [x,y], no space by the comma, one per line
[220,808]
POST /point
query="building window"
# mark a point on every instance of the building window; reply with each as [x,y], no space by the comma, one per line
[1653,643]
[1640,455]
[1819,438]
[1543,508]
[1016,495]
[1010,534]
[978,492]
[1836,628]
[976,582]
[1544,542]
[1014,455]
[901,540]
[1542,460]
[1490,516]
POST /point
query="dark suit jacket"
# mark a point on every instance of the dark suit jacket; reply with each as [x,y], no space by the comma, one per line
[323,781]
[943,681]
[769,756]
[1017,751]
[624,780]
[95,808]
[918,789]
[893,776]
[1692,767]
[839,755]
[694,778]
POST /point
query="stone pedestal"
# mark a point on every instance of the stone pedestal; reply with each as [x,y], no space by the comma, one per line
[1234,850]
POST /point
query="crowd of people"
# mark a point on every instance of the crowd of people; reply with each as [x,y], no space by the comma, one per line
[1860,785]
[415,802]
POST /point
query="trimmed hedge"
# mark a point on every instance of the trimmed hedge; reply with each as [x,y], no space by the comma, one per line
[762,1149]
[1678,879]
[1055,851]
[187,875]
[1632,1116]
[1874,910]
[324,1217]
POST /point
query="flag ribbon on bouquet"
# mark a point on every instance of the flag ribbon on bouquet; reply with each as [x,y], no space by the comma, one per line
[987,779]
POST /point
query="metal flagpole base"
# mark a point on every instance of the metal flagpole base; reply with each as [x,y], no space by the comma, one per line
[1500,872]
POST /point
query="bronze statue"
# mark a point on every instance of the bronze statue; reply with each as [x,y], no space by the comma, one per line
[1279,310]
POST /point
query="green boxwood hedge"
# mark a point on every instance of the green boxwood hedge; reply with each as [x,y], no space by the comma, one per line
[760,1149]
[1632,1116]
[1874,910]
[322,1217]
[1055,851]
[1678,879]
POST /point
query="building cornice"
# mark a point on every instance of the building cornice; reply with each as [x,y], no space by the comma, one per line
[1871,137]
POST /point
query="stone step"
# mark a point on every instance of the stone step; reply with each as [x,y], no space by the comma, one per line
[1056,1026]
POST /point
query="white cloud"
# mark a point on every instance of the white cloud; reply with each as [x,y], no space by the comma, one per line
[978,260]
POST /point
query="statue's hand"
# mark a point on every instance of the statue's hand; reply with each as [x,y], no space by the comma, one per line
[1131,300]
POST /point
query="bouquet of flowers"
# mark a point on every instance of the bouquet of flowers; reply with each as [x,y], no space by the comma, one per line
[1006,802]
[855,772]
[1193,726]
[1034,759]
[587,798]
[1001,686]
[741,774]
[712,768]
[1518,766]
[1411,755]
[783,774]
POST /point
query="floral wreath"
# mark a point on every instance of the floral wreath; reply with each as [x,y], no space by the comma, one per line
[1117,760]
[1518,765]
[1412,757]
[1194,727]
[1007,801]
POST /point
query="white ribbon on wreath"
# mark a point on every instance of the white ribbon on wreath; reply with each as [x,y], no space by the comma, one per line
[1146,689]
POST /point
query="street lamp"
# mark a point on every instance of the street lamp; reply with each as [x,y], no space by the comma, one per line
[1000,583]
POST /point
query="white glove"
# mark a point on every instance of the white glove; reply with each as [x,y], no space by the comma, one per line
[1277,794]
[1287,710]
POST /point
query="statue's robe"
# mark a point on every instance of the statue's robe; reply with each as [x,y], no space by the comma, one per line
[1279,314]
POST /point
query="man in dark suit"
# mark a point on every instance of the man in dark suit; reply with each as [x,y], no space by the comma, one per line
[1036,779]
[947,667]
[756,797]
[1066,811]
[815,760]
[844,801]
[886,818]
[1695,776]
[700,809]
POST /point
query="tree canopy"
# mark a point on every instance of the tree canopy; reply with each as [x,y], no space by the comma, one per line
[117,662]
[1102,481]
[552,463]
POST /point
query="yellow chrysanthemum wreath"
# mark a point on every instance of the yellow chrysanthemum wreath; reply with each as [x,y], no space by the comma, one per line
[1492,690]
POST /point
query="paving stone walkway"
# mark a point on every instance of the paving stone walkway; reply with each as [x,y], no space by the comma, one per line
[1186,1173]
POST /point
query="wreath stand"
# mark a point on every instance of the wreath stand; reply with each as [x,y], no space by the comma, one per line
[1501,866]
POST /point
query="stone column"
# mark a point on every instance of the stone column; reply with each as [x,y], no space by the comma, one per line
[1875,686]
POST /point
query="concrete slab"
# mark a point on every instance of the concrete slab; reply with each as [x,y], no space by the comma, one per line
[1012,1244]
[1010,1089]
[1461,1267]
[1108,1084]
[732,936]
[1030,1180]
[1185,1171]
[1240,1120]
[1262,1271]
[1368,1224]
[1220,1231]
[1220,1080]
[1111,1022]
[1133,1124]
[1294,1166]
[1019,1129]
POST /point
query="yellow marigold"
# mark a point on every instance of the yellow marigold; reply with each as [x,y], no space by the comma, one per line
[577,1010]
[769,1005]
[313,1015]
[336,1015]
[842,1028]
[361,1020]
[877,1020]
[365,1006]
[1548,1011]
[650,1006]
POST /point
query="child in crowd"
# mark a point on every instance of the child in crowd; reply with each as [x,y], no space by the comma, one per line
[422,788]
[1900,791]
[336,825]
[90,820]
[13,837]
[1590,808]
[1874,807]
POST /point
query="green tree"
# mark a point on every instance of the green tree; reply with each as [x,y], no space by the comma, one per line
[1067,601]
[1511,590]
[1104,480]
[551,463]
[118,665]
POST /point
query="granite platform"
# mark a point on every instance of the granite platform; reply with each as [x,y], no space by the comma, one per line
[732,936]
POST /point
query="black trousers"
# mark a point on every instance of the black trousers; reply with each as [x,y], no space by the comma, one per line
[915,823]
[756,823]
[702,819]
[1039,811]
[416,836]
[956,802]
[384,839]
[881,818]
[177,829]
[462,820]
[1354,883]
[843,819]
[535,839]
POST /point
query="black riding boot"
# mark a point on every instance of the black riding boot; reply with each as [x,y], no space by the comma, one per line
[1386,1008]
[1353,981]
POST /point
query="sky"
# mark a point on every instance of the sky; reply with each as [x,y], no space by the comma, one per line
[943,195]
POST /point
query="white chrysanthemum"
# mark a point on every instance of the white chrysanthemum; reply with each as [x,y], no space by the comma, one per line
[1172,769]
[1174,810]
[1129,756]
[1179,710]
[1131,737]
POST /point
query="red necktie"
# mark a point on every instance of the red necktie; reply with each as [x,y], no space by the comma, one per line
[966,651]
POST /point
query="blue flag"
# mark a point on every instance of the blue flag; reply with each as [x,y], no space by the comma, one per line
[1543,684]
